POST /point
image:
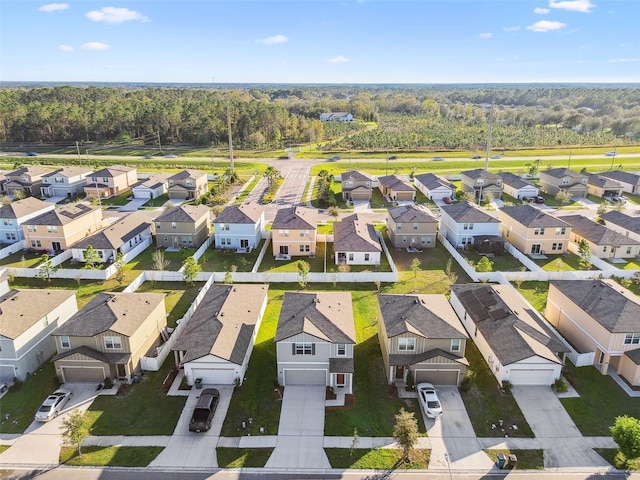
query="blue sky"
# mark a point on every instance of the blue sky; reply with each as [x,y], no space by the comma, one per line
[355,41]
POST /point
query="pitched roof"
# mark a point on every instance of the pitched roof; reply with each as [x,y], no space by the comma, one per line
[113,171]
[295,218]
[188,173]
[116,234]
[432,181]
[71,171]
[20,309]
[563,172]
[20,208]
[353,234]
[154,181]
[184,214]
[480,173]
[597,233]
[602,182]
[395,183]
[31,170]
[634,355]
[465,212]
[64,215]
[246,213]
[428,316]
[356,176]
[513,330]
[223,324]
[399,359]
[608,303]
[620,176]
[122,313]
[622,220]
[324,315]
[411,214]
[532,217]
[515,181]
[104,357]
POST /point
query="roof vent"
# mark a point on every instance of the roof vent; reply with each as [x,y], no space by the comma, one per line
[415,300]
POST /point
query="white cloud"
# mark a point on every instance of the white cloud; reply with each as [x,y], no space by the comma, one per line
[95,46]
[541,11]
[485,35]
[115,15]
[273,40]
[66,48]
[53,7]
[583,6]
[546,26]
[623,60]
[511,29]
[338,59]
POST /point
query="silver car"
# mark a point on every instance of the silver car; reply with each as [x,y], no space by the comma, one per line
[429,400]
[53,404]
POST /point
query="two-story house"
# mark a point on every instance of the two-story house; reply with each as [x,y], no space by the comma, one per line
[603,242]
[25,181]
[532,231]
[434,187]
[396,188]
[67,182]
[188,184]
[315,339]
[421,335]
[152,187]
[239,227]
[480,182]
[355,242]
[600,186]
[518,187]
[461,222]
[554,180]
[628,225]
[356,186]
[107,338]
[59,229]
[110,181]
[293,232]
[410,226]
[630,181]
[14,214]
[183,226]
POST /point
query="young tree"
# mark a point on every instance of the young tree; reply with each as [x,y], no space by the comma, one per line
[303,271]
[488,197]
[74,429]
[585,254]
[405,432]
[91,257]
[46,268]
[469,197]
[190,269]
[415,266]
[355,442]
[159,262]
[563,197]
[119,263]
[484,265]
[449,272]
[626,433]
[228,278]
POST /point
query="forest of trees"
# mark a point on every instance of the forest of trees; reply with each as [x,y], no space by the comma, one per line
[410,118]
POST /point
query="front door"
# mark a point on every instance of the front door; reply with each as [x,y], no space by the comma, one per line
[340,380]
[400,373]
[536,248]
[175,242]
[122,370]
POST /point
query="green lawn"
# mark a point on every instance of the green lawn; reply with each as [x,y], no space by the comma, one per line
[526,459]
[560,263]
[110,456]
[243,457]
[378,200]
[221,260]
[118,200]
[617,459]
[377,459]
[501,263]
[486,404]
[179,297]
[158,201]
[598,200]
[144,261]
[270,264]
[535,292]
[4,448]
[22,260]
[336,188]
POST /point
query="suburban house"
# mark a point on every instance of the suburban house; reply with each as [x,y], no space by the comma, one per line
[461,222]
[111,181]
[517,187]
[622,223]
[355,242]
[411,226]
[533,231]
[60,228]
[315,339]
[356,186]
[14,214]
[396,188]
[216,344]
[183,226]
[153,187]
[603,242]
[434,187]
[239,227]
[336,117]
[107,338]
[27,318]
[517,344]
[25,181]
[554,180]
[188,184]
[121,236]
[630,181]
[600,186]
[67,182]
[480,182]
[421,335]
[293,232]
[598,316]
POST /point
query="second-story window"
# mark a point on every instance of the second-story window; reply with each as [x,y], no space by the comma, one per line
[467,226]
[113,343]
[538,231]
[174,225]
[52,229]
[561,230]
[456,344]
[406,344]
[342,349]
[415,226]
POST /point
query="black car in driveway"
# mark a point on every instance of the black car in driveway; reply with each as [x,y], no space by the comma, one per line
[204,410]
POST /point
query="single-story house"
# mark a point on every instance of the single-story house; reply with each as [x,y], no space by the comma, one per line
[433,186]
[396,188]
[153,187]
[518,187]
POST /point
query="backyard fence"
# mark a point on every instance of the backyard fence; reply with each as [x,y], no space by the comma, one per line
[13,248]
[468,269]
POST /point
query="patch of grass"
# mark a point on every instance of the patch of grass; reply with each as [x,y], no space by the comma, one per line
[377,458]
[179,297]
[378,200]
[560,263]
[243,457]
[270,264]
[527,459]
[118,200]
[22,260]
[215,260]
[594,199]
[158,201]
[110,456]
[486,404]
[4,448]
[245,193]
[332,267]
[617,459]
[144,261]
[501,263]
[535,293]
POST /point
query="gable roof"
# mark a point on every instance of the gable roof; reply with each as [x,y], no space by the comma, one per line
[563,172]
[411,214]
[356,176]
[428,316]
[432,181]
[116,234]
[20,208]
[395,183]
[64,215]
[184,214]
[188,173]
[608,303]
[532,217]
[295,218]
[246,213]
[602,182]
[620,176]
[513,330]
[515,181]
[223,324]
[122,313]
[622,220]
[465,212]
[597,233]
[480,173]
[154,181]
[113,171]
[325,315]
[353,234]
[20,309]
[31,170]
[71,171]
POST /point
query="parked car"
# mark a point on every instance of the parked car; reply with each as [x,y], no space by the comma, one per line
[538,199]
[527,199]
[204,410]
[429,400]
[148,156]
[334,158]
[53,404]
[447,200]
[32,154]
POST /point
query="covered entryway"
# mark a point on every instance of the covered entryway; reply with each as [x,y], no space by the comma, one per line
[531,377]
[214,376]
[83,374]
[305,377]
[437,377]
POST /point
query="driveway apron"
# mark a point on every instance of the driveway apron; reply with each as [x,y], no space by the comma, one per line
[301,429]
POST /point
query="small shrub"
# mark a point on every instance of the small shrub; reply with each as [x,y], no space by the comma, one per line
[507,385]
[559,386]
[465,385]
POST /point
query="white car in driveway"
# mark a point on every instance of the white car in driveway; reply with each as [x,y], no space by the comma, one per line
[429,400]
[53,404]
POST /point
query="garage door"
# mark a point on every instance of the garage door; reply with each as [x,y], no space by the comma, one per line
[215,376]
[437,377]
[360,196]
[83,374]
[404,196]
[531,377]
[141,193]
[305,377]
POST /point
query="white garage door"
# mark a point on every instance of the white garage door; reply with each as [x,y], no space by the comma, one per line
[215,376]
[531,377]
[83,374]
[305,377]
[437,377]
[141,193]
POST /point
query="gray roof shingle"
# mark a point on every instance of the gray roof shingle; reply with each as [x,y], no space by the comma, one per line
[20,208]
[63,215]
[481,173]
[395,183]
[188,173]
[247,213]
[184,214]
[603,182]
[622,220]
[532,217]
[432,181]
[116,234]
[353,234]
[515,181]
[356,176]
[563,172]
[411,214]
[113,171]
[295,218]
[596,233]
[465,212]
[620,176]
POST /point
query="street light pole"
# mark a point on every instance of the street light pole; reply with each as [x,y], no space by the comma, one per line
[446,457]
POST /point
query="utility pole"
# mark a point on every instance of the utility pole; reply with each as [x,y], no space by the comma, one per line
[78,150]
[486,158]
[569,159]
[159,144]
[230,140]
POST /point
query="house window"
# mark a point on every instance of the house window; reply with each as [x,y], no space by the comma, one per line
[538,231]
[406,344]
[65,341]
[36,244]
[283,233]
[480,181]
[25,179]
[456,344]
[32,228]
[174,225]
[113,343]
[404,239]
[58,180]
[52,229]
[415,226]
[304,233]
[466,240]
[304,248]
[94,179]
[7,221]
[189,183]
[105,180]
[632,339]
[604,249]
[158,225]
[224,226]
[225,241]
[304,349]
[628,250]
[351,257]
[12,236]
[428,242]
[399,226]
[166,239]
[342,349]
[367,184]
[556,246]
[561,230]
[348,183]
[565,181]
[366,257]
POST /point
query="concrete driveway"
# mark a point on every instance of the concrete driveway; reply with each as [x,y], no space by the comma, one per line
[134,204]
[300,432]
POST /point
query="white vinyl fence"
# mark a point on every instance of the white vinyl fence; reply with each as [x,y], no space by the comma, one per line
[13,248]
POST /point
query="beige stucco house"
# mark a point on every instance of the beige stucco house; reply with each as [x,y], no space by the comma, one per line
[183,226]
[24,181]
[554,180]
[410,226]
[532,231]
[187,184]
[601,186]
[110,181]
[603,242]
[293,232]
[396,188]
